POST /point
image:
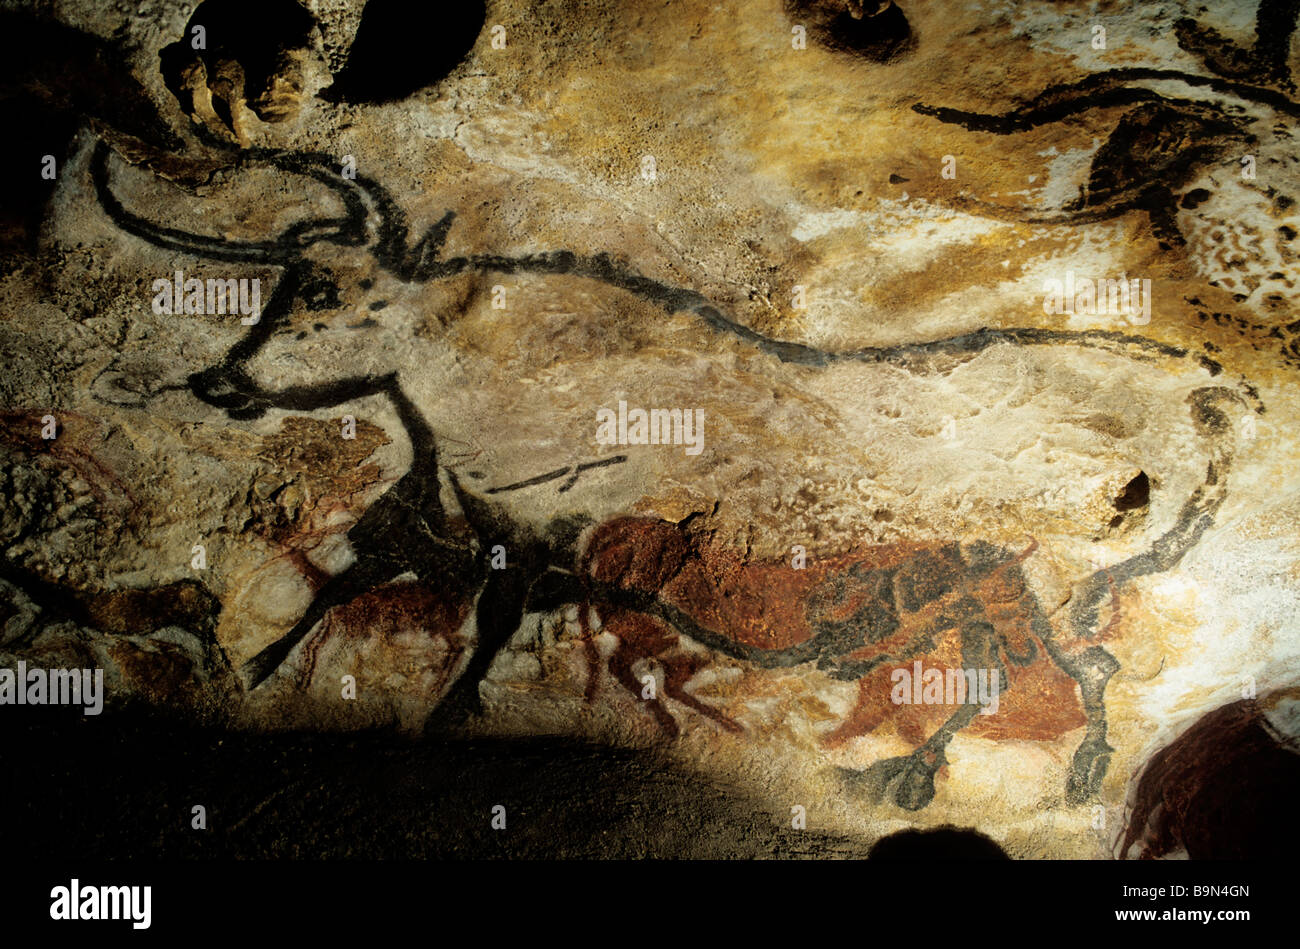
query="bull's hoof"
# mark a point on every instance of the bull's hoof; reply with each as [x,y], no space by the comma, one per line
[1083,782]
[454,712]
[907,781]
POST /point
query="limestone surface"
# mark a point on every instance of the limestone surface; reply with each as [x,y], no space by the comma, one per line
[885,408]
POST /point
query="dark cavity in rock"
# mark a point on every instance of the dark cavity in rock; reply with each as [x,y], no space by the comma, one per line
[403,47]
[874,29]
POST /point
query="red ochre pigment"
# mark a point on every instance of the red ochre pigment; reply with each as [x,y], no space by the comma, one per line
[763,605]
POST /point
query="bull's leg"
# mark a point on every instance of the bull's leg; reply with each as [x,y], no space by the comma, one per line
[677,672]
[362,576]
[620,666]
[1092,669]
[497,616]
[909,779]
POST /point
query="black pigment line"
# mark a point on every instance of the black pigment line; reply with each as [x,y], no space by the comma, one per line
[588,466]
[560,472]
[602,463]
[405,529]
[390,252]
[1100,90]
[530,482]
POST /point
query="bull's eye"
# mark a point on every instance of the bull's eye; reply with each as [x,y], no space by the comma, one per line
[320,292]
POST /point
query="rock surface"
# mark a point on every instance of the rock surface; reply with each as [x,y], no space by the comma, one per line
[826,232]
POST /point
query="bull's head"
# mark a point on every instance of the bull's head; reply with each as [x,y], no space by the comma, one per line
[370,220]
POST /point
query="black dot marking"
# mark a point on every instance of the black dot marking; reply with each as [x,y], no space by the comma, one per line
[379,304]
[1194,198]
[321,293]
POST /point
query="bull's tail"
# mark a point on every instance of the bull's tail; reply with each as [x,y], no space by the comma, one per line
[1195,517]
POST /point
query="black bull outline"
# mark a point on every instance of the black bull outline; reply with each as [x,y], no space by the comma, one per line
[405,530]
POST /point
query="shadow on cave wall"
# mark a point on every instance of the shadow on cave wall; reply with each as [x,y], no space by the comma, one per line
[122,786]
[939,843]
[876,30]
[52,79]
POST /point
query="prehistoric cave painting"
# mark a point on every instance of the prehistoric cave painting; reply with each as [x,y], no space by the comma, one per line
[651,583]
[857,617]
[921,592]
[1165,141]
[573,472]
[1285,339]
[1265,61]
[1155,148]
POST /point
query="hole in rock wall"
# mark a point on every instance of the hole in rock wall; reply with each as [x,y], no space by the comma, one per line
[403,47]
[874,29]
